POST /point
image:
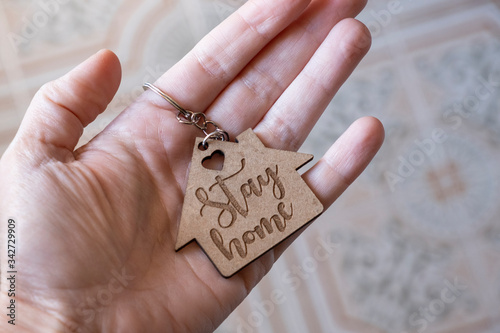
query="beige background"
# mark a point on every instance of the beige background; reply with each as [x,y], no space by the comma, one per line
[396,247]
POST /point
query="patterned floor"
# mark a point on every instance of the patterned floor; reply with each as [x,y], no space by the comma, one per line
[414,244]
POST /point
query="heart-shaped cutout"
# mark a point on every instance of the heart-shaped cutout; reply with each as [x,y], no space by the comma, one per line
[214,161]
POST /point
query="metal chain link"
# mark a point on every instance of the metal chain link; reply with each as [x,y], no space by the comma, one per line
[197,119]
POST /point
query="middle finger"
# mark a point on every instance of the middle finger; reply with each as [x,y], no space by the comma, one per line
[252,93]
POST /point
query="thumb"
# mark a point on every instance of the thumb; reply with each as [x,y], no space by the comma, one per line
[61,109]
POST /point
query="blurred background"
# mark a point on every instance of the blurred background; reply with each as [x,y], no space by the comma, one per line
[414,244]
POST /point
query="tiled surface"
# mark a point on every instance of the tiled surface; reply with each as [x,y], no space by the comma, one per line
[421,219]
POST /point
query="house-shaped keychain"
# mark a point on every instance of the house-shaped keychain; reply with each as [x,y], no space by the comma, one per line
[252,202]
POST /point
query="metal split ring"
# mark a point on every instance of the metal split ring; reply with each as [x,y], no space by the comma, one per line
[187,117]
[218,134]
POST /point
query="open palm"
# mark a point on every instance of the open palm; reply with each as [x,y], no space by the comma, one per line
[97,226]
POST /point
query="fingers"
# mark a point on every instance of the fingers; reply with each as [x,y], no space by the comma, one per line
[200,76]
[342,164]
[345,160]
[294,114]
[260,84]
[62,108]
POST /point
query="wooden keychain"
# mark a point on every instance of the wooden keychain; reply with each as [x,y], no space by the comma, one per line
[245,205]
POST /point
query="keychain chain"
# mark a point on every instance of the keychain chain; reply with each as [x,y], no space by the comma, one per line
[210,128]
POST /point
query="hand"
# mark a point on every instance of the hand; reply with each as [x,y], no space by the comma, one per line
[96,226]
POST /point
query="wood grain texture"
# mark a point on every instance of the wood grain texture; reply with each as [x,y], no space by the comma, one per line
[255,201]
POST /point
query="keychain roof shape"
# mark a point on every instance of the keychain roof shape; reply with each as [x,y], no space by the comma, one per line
[255,201]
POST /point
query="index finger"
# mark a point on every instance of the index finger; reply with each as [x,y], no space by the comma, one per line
[202,74]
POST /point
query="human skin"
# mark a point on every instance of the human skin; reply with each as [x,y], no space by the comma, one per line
[112,207]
